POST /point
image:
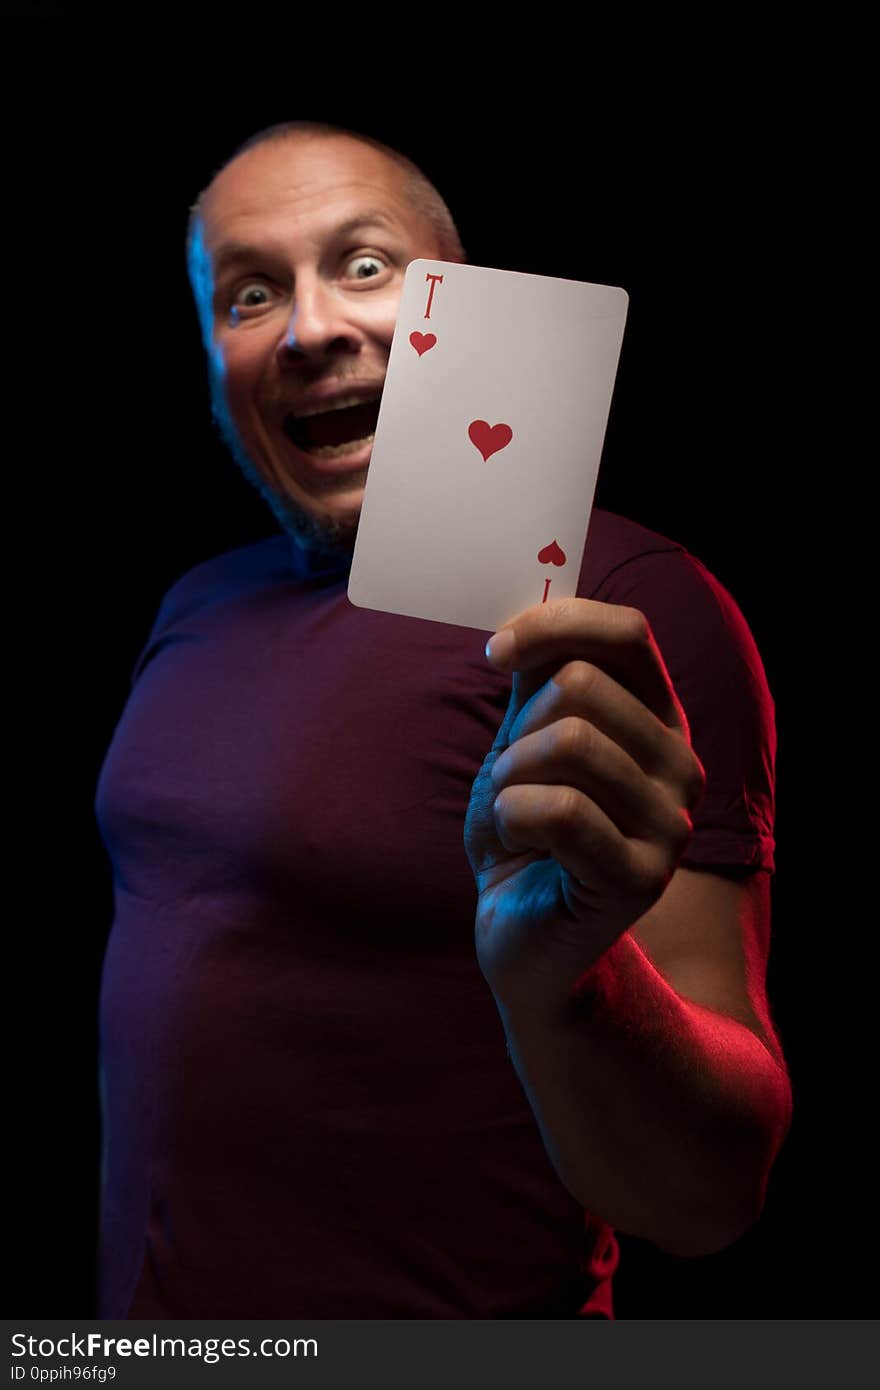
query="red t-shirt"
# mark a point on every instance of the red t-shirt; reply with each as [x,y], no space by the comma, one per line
[309,1111]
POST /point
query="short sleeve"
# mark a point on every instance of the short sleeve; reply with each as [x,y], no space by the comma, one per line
[168,610]
[719,677]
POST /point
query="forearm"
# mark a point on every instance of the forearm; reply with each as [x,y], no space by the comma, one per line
[659,1115]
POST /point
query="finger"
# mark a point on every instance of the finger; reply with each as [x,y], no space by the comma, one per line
[578,834]
[573,753]
[584,691]
[610,635]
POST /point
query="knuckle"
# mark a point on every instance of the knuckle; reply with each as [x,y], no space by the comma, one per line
[636,626]
[565,811]
[698,780]
[681,833]
[559,612]
[570,739]
[689,775]
[650,872]
[578,678]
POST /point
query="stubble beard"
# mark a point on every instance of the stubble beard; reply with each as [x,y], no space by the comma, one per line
[324,536]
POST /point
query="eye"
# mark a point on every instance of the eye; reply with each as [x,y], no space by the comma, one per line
[248,288]
[368,265]
[365,274]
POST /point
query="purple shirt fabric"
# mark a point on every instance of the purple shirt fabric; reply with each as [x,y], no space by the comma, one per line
[309,1111]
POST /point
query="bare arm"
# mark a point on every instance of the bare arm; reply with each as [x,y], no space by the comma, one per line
[663,1113]
[631,989]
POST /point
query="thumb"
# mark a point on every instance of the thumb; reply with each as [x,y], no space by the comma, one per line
[514,705]
[525,685]
[483,846]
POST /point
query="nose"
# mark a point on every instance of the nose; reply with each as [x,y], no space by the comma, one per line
[318,323]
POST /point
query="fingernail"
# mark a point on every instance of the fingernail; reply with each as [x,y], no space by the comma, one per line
[499,649]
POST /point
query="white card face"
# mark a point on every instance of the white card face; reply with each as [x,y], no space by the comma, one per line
[487,446]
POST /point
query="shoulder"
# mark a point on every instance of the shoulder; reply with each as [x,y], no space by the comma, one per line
[614,541]
[228,575]
[213,583]
[692,614]
[717,672]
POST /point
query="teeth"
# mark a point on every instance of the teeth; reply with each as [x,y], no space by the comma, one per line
[335,451]
[341,404]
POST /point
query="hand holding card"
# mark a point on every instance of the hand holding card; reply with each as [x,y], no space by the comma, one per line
[570,842]
[487,446]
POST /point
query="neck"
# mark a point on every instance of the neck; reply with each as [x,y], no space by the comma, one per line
[312,561]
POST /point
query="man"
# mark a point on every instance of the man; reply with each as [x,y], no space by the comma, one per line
[398,1021]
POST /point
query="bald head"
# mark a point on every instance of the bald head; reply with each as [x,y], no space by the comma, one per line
[418,191]
[297,255]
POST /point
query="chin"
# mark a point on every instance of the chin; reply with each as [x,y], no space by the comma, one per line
[322,533]
[330,533]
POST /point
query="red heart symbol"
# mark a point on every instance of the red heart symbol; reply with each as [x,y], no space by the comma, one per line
[422,342]
[489,439]
[552,554]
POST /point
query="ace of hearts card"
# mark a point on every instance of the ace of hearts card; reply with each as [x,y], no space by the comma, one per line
[487,446]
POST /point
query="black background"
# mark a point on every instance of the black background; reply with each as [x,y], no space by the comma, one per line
[703,197]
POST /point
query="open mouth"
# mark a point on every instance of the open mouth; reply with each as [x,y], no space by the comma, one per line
[334,433]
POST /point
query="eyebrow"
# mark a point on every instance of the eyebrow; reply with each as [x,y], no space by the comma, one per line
[232,253]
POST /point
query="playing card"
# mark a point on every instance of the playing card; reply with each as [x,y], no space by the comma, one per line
[487,446]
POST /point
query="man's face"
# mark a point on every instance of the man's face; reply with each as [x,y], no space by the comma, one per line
[309,310]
